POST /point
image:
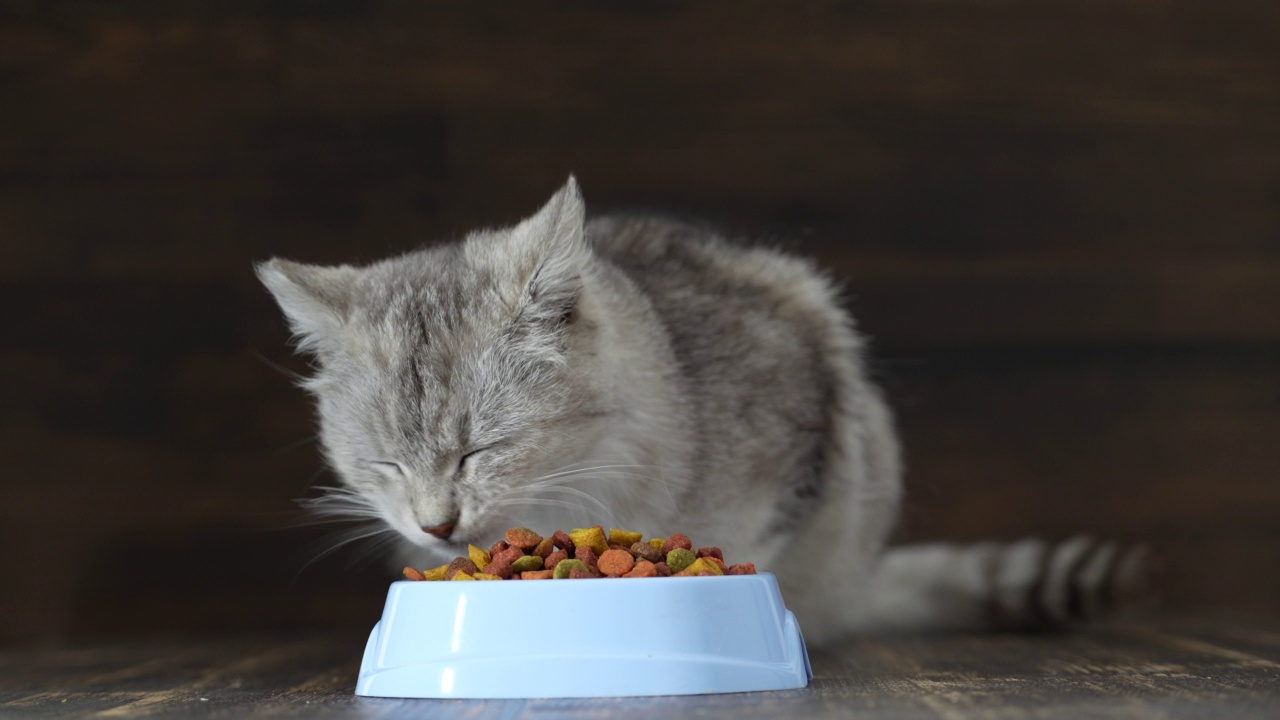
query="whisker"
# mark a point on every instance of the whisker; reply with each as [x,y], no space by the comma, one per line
[600,475]
[280,368]
[371,550]
[515,495]
[548,502]
[561,473]
[341,510]
[295,444]
[347,538]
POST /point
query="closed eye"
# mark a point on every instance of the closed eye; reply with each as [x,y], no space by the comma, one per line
[463,460]
[389,467]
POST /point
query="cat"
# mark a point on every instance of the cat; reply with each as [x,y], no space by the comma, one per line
[654,376]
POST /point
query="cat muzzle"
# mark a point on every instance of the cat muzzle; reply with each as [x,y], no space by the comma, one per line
[442,531]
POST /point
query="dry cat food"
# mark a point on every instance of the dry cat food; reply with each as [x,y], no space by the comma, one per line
[583,553]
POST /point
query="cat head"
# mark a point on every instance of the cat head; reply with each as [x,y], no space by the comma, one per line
[451,380]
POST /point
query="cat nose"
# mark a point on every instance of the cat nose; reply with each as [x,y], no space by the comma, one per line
[442,531]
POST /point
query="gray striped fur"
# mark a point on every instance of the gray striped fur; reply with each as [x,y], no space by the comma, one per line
[650,375]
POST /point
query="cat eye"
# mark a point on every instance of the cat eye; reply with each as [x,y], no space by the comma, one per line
[387,466]
[463,460]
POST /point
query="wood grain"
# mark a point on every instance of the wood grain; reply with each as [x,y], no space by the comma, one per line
[1179,668]
[1058,222]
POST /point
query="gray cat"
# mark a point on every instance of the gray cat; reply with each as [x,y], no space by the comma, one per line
[653,376]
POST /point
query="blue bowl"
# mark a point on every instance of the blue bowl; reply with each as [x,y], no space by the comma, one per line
[584,638]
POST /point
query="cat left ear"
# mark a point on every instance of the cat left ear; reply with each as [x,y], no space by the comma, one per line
[314,298]
[560,255]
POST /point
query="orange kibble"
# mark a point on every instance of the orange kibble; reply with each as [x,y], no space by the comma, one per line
[615,563]
[536,574]
[523,538]
[413,574]
[643,569]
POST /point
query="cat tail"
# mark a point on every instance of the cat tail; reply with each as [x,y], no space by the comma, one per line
[1025,585]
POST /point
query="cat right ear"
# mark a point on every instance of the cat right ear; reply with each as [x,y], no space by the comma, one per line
[314,298]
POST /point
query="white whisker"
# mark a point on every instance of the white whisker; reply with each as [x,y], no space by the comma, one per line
[563,472]
[516,495]
[359,533]
[548,502]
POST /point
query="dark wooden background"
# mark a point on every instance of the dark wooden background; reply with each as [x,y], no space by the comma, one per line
[1060,222]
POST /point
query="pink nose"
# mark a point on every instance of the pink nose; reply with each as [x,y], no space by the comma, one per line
[441,531]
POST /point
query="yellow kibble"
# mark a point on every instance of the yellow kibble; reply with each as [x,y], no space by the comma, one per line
[625,538]
[592,537]
[657,543]
[483,576]
[478,556]
[463,576]
[704,565]
[436,573]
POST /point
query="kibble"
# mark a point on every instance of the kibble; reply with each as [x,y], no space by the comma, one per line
[703,565]
[587,555]
[643,569]
[616,563]
[461,565]
[677,540]
[478,557]
[500,567]
[679,559]
[592,537]
[624,538]
[583,553]
[564,567]
[523,538]
[563,541]
[511,554]
[545,548]
[645,551]
[527,563]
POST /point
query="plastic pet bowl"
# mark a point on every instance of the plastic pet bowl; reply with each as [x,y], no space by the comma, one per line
[584,638]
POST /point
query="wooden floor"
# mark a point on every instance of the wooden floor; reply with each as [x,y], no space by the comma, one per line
[1174,668]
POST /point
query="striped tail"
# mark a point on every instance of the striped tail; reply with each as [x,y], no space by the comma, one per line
[1026,585]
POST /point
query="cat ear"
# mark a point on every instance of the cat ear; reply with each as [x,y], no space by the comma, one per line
[314,298]
[554,240]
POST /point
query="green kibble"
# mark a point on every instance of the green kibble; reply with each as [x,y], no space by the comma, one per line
[679,559]
[564,566]
[526,563]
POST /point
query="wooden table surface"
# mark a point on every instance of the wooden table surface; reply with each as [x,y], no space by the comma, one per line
[1171,668]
